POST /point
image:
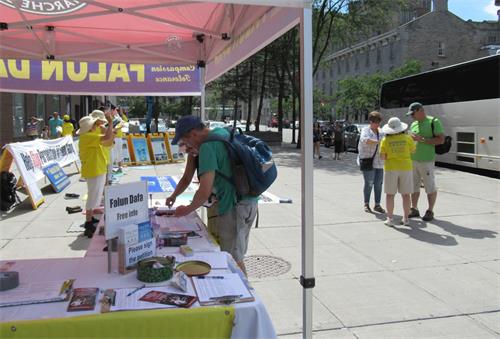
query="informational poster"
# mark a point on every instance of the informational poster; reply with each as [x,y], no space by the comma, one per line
[58,179]
[125,153]
[160,184]
[173,150]
[159,149]
[124,205]
[140,149]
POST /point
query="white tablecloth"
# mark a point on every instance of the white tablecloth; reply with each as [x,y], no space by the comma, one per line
[251,319]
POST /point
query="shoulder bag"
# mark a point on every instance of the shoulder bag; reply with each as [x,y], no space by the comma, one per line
[367,163]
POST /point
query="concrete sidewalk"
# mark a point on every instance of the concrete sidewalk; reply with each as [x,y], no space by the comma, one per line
[435,279]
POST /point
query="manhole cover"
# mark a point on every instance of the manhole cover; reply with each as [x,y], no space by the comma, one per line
[262,266]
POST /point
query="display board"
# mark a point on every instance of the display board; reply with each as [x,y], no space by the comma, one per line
[173,150]
[126,158]
[57,177]
[31,157]
[124,205]
[138,148]
[158,148]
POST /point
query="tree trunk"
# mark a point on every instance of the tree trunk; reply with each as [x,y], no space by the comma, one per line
[250,92]
[262,91]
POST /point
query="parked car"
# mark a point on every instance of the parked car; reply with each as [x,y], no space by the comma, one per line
[215,124]
[351,136]
[273,122]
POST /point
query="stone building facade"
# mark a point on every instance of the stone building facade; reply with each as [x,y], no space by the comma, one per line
[436,39]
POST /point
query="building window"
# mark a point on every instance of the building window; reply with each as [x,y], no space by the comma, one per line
[441,52]
[367,58]
[347,68]
[492,39]
[391,51]
[18,114]
[356,62]
[331,70]
[379,56]
[339,70]
[40,106]
[323,88]
[55,103]
[331,88]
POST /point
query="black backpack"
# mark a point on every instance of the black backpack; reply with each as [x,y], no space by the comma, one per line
[8,191]
[445,146]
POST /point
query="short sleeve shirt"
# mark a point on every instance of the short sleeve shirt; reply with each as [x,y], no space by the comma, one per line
[92,155]
[213,157]
[53,123]
[67,129]
[398,149]
[426,152]
[367,150]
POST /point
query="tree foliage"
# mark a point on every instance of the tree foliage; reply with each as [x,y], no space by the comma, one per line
[362,93]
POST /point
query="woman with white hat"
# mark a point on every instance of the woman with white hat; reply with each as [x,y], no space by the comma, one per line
[94,164]
[396,149]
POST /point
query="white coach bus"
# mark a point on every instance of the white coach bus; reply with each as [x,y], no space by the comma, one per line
[466,97]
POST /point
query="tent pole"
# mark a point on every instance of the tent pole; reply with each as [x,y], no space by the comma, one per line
[307,278]
[202,99]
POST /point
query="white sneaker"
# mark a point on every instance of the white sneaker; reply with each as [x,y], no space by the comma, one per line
[389,222]
[405,222]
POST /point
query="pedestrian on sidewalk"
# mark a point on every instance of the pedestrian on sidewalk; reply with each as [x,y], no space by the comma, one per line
[94,165]
[317,140]
[396,148]
[338,141]
[369,152]
[428,132]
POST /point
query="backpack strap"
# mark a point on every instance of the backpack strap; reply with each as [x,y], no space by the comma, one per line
[432,127]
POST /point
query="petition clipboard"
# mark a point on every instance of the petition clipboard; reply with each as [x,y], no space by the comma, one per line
[245,295]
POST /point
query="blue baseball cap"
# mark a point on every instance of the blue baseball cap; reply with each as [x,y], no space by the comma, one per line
[184,125]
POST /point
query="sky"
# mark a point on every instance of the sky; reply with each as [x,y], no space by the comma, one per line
[476,10]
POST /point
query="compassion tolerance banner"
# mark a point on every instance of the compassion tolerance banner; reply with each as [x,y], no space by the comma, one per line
[32,157]
[110,78]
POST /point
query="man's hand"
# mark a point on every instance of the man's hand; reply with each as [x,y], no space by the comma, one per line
[417,137]
[170,201]
[182,211]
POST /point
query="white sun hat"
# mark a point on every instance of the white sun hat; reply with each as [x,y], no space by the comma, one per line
[394,126]
[87,122]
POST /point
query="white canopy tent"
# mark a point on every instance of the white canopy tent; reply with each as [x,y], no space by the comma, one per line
[216,35]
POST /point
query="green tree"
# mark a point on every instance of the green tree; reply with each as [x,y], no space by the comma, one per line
[362,94]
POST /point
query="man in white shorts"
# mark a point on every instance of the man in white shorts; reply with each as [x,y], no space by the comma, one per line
[428,132]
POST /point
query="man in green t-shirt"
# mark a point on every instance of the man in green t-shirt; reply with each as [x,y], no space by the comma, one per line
[235,218]
[424,156]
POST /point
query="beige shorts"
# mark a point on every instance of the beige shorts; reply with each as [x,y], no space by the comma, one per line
[423,171]
[233,228]
[398,181]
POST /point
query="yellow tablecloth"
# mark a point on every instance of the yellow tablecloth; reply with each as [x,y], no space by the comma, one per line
[205,322]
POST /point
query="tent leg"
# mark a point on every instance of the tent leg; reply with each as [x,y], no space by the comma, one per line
[307,278]
[202,99]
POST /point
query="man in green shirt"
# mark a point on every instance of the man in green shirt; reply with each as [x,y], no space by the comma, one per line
[424,156]
[235,218]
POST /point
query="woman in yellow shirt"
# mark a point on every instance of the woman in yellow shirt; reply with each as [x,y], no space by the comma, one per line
[94,166]
[396,149]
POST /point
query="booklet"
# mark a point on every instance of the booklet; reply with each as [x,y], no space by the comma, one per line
[83,299]
[179,300]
